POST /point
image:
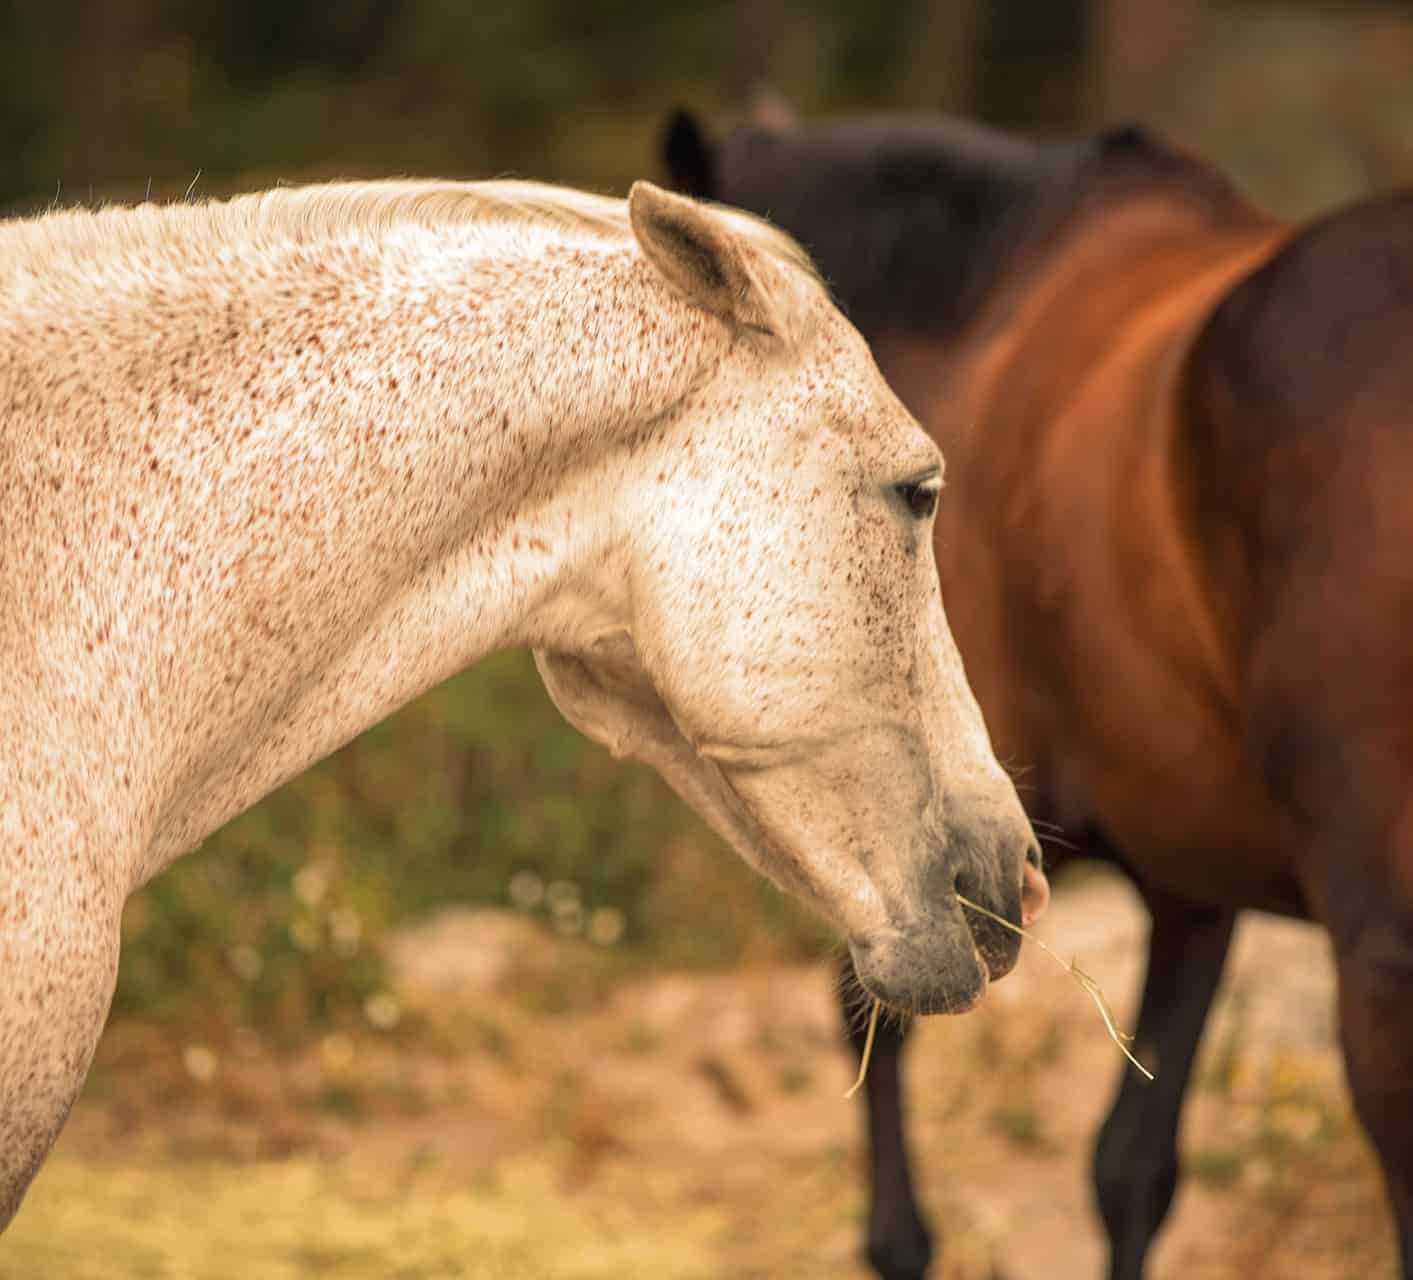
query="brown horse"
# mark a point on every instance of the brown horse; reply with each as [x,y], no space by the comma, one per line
[1181,435]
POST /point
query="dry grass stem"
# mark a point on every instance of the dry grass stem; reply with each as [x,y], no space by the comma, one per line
[867,1050]
[1120,1038]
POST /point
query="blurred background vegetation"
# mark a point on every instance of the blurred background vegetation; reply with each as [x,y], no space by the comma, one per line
[479,793]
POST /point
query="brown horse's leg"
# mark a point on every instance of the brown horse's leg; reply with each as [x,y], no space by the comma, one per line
[1375,990]
[1135,1156]
[899,1245]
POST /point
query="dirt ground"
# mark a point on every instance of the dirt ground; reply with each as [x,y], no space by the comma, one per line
[694,1126]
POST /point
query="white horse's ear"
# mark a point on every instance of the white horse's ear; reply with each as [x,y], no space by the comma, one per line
[701,255]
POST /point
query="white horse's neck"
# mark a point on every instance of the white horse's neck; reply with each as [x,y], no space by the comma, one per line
[372,461]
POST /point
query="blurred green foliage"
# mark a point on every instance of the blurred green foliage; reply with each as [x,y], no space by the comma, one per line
[1308,100]
[101,95]
[281,921]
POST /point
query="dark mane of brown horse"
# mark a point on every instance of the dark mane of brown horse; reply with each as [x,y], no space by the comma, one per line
[914,219]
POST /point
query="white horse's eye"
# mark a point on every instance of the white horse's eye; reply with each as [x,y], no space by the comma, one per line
[920,496]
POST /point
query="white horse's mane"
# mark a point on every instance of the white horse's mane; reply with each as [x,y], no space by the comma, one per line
[307,214]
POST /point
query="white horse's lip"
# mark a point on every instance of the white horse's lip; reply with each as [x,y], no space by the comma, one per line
[1035,894]
[933,1000]
[927,998]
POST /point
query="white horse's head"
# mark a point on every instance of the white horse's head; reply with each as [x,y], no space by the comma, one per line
[777,647]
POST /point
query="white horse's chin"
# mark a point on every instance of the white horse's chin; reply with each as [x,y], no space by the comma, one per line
[922,972]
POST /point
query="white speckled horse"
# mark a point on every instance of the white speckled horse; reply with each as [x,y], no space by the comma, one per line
[271,468]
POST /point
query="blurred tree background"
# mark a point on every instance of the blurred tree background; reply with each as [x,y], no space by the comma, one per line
[1308,102]
[479,793]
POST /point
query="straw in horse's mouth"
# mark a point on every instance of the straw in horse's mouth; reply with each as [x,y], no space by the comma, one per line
[867,1049]
[1121,1038]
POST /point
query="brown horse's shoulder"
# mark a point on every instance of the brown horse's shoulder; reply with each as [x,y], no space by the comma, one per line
[1299,362]
[1297,441]
[1318,330]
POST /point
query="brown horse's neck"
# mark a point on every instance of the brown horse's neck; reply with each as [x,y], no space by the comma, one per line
[1143,271]
[1056,411]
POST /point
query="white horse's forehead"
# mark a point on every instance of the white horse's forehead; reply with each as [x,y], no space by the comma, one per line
[842,390]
